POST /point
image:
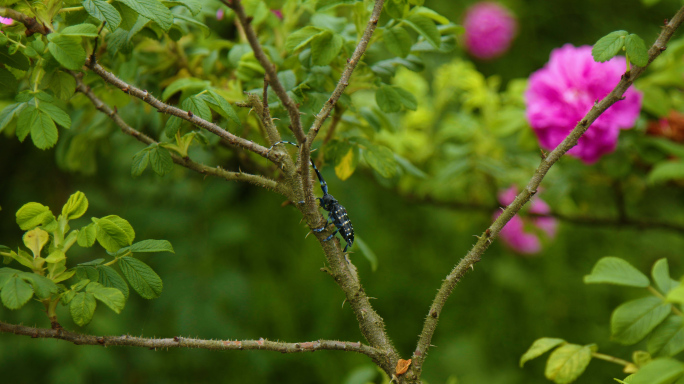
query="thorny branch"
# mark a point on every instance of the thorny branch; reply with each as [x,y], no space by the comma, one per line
[32,25]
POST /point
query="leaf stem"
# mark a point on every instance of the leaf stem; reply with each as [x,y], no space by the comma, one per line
[610,358]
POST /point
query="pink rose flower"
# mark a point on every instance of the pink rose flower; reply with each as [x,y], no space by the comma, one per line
[219,14]
[516,232]
[489,30]
[5,20]
[561,93]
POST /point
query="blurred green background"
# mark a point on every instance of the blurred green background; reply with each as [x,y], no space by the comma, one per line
[243,270]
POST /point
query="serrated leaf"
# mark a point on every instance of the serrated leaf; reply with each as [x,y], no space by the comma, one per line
[87,235]
[9,113]
[42,286]
[110,235]
[56,113]
[16,60]
[141,277]
[140,161]
[87,30]
[161,160]
[124,225]
[152,246]
[633,320]
[203,27]
[381,160]
[608,46]
[111,297]
[666,171]
[658,371]
[397,41]
[661,276]
[82,308]
[614,270]
[111,278]
[64,276]
[172,126]
[63,85]
[388,99]
[35,240]
[25,120]
[367,253]
[153,10]
[188,84]
[667,338]
[15,293]
[67,51]
[103,11]
[198,106]
[539,347]
[301,37]
[76,206]
[31,215]
[567,363]
[636,50]
[225,107]
[43,130]
[193,6]
[325,47]
[425,27]
[55,256]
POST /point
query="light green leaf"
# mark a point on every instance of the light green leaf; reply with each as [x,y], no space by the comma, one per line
[55,256]
[197,106]
[658,371]
[63,85]
[152,246]
[567,363]
[64,276]
[111,278]
[82,308]
[112,297]
[608,46]
[103,11]
[188,84]
[539,347]
[324,5]
[381,160]
[425,27]
[153,10]
[325,47]
[676,295]
[141,277]
[665,171]
[124,225]
[42,286]
[87,235]
[407,99]
[225,107]
[300,38]
[35,240]
[161,160]
[112,234]
[172,126]
[25,120]
[661,276]
[67,51]
[140,161]
[87,30]
[9,113]
[192,5]
[667,338]
[31,215]
[613,270]
[633,320]
[56,113]
[397,41]
[409,167]
[15,293]
[43,130]
[76,206]
[388,99]
[636,50]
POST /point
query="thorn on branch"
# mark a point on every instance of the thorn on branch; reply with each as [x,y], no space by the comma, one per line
[434,314]
[190,114]
[543,154]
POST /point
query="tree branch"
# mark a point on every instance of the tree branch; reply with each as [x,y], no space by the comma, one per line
[170,110]
[32,25]
[475,254]
[184,342]
[184,161]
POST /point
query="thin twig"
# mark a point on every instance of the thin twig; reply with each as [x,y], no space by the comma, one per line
[475,254]
[186,342]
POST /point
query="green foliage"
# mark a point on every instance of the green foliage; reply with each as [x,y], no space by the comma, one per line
[613,270]
[613,43]
[49,239]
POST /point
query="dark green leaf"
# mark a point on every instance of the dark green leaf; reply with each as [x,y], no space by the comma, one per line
[16,292]
[153,10]
[31,215]
[636,50]
[381,160]
[608,46]
[324,5]
[224,108]
[161,160]
[367,253]
[567,363]
[42,286]
[43,130]
[140,161]
[56,113]
[397,41]
[67,51]
[112,297]
[141,277]
[170,129]
[325,47]
[539,347]
[407,99]
[667,338]
[82,308]
[103,11]
[17,60]
[9,112]
[203,27]
[152,246]
[388,99]
[613,270]
[111,278]
[425,27]
[300,38]
[658,371]
[197,106]
[63,85]
[635,319]
[188,84]
[8,82]
[192,5]
[26,118]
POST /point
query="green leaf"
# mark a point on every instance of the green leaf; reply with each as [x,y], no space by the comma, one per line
[161,160]
[55,256]
[111,278]
[407,99]
[35,240]
[9,112]
[661,276]
[87,235]
[124,225]
[172,126]
[397,41]
[633,320]
[225,107]
[26,118]
[17,60]
[63,85]
[381,160]
[111,234]
[56,113]
[658,371]
[42,286]
[367,253]
[43,130]
[141,277]
[140,161]
[129,20]
[76,206]
[15,293]
[197,106]
[87,30]
[82,308]
[152,246]
[409,167]
[539,347]
[567,363]
[184,84]
[613,270]
[8,82]
[636,50]
[666,171]
[324,5]
[325,47]
[31,215]
[300,38]
[425,27]
[388,99]
[667,338]
[112,297]
[203,27]
[676,295]
[153,10]
[67,51]
[193,6]
[103,11]
[608,46]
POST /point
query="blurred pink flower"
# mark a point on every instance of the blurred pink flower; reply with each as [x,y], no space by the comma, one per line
[278,13]
[5,20]
[513,233]
[561,93]
[489,29]
[219,14]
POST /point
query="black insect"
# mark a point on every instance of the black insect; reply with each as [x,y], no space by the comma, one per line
[336,212]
